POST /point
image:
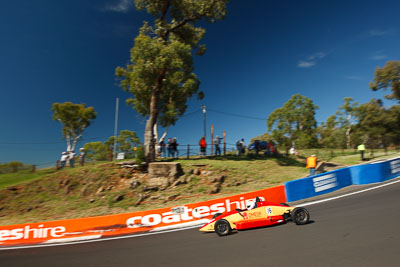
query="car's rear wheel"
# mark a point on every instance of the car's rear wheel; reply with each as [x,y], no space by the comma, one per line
[216,215]
[222,227]
[300,216]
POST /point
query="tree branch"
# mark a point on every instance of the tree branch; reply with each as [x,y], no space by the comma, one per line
[186,21]
[165,9]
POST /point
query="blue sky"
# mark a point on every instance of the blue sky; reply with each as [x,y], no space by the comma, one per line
[257,58]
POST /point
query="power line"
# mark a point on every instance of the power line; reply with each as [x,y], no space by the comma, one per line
[237,115]
[48,143]
[186,116]
[244,116]
[191,113]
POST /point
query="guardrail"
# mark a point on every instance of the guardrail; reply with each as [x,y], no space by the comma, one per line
[375,172]
[130,223]
[335,180]
[317,185]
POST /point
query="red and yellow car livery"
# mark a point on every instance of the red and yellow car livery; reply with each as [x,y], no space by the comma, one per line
[258,214]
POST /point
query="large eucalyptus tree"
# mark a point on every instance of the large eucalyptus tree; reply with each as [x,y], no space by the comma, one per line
[294,123]
[160,73]
[75,118]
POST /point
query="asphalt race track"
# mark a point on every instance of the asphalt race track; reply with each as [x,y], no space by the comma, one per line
[358,230]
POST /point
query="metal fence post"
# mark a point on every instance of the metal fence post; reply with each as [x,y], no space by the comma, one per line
[224,136]
[212,139]
[188,151]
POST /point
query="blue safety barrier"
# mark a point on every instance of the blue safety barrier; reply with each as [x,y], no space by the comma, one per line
[334,180]
[317,185]
[392,169]
[366,173]
[375,172]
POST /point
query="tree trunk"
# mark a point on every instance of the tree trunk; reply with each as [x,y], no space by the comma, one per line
[348,137]
[68,143]
[74,142]
[384,144]
[149,140]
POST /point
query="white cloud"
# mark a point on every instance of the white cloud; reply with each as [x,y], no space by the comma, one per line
[311,60]
[357,78]
[318,55]
[305,64]
[121,6]
[377,32]
[378,55]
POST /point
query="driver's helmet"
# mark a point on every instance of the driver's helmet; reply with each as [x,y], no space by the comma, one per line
[251,205]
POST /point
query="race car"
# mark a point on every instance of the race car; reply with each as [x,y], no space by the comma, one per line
[257,214]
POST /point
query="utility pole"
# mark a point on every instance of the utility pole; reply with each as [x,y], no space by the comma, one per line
[212,139]
[115,129]
[204,112]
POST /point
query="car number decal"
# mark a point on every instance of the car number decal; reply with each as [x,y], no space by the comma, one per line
[269,210]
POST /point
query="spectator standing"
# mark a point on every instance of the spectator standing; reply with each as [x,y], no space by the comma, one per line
[268,150]
[239,147]
[217,142]
[272,148]
[311,164]
[361,148]
[203,146]
[293,151]
[257,146]
[161,148]
[169,148]
[63,160]
[175,145]
[243,146]
[82,156]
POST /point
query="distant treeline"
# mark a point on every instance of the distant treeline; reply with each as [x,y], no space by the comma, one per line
[13,166]
[372,124]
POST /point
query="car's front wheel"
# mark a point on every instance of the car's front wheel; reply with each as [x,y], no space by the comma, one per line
[300,216]
[222,227]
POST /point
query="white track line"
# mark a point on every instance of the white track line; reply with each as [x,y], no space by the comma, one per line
[102,239]
[73,239]
[189,227]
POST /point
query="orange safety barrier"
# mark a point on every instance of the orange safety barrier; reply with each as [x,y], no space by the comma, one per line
[130,223]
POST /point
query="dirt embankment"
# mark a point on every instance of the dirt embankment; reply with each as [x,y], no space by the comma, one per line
[103,189]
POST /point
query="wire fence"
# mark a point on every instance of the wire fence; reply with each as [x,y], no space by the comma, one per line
[187,150]
[191,150]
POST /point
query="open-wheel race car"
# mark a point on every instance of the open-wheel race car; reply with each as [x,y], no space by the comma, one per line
[258,214]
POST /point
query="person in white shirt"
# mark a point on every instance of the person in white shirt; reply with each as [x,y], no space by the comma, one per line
[217,142]
[63,160]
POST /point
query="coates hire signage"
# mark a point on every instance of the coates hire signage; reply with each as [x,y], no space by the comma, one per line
[27,232]
[325,182]
[186,214]
[134,222]
[395,166]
